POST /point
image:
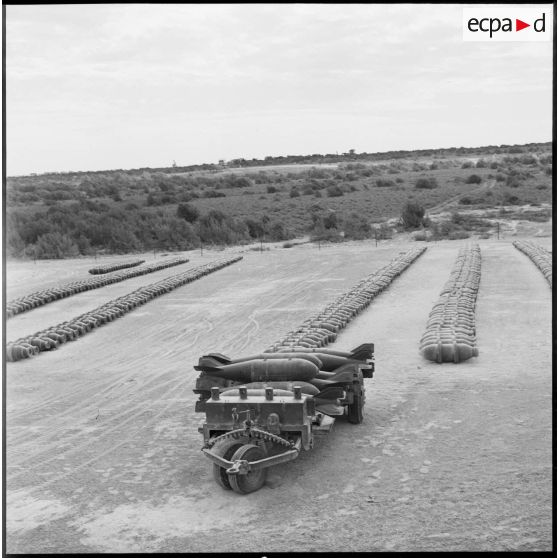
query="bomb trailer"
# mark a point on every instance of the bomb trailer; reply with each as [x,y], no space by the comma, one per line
[262,410]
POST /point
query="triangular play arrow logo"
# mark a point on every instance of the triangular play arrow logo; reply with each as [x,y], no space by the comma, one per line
[519,25]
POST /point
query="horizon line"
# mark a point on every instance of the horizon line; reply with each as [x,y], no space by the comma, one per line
[35,174]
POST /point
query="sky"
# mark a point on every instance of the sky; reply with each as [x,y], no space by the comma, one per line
[119,86]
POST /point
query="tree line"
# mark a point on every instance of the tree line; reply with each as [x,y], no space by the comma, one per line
[318,158]
[91,227]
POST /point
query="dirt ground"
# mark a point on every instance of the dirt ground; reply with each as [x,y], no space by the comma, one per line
[103,453]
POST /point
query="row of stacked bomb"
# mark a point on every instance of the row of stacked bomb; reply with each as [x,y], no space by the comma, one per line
[44,296]
[322,328]
[52,337]
[99,270]
[450,334]
[539,256]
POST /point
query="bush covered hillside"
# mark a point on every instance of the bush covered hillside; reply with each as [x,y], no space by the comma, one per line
[61,215]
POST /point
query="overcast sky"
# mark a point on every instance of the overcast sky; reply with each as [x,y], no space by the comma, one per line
[93,87]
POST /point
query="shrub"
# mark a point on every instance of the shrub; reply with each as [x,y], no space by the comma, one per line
[481,164]
[214,194]
[458,235]
[334,191]
[467,165]
[511,199]
[317,173]
[187,212]
[188,196]
[235,181]
[356,227]
[216,227]
[271,189]
[383,183]
[500,177]
[278,231]
[528,159]
[54,245]
[473,179]
[255,228]
[399,180]
[454,228]
[426,183]
[330,220]
[294,193]
[412,215]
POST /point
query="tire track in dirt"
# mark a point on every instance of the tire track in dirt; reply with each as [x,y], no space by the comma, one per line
[165,333]
[87,400]
[157,354]
[175,346]
[247,334]
[130,414]
[122,412]
[408,470]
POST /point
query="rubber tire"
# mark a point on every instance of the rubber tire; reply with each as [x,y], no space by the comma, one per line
[224,449]
[244,484]
[355,409]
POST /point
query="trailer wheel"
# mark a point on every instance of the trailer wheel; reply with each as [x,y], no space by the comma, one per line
[254,480]
[224,449]
[355,409]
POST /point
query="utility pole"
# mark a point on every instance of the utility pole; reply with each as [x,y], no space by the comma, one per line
[376,236]
[498,229]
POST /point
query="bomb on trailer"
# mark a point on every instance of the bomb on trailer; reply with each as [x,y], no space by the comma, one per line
[263,410]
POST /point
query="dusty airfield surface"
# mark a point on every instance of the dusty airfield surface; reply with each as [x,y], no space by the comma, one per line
[103,453]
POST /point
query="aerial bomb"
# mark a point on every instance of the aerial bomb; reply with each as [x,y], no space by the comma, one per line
[261,370]
[205,362]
